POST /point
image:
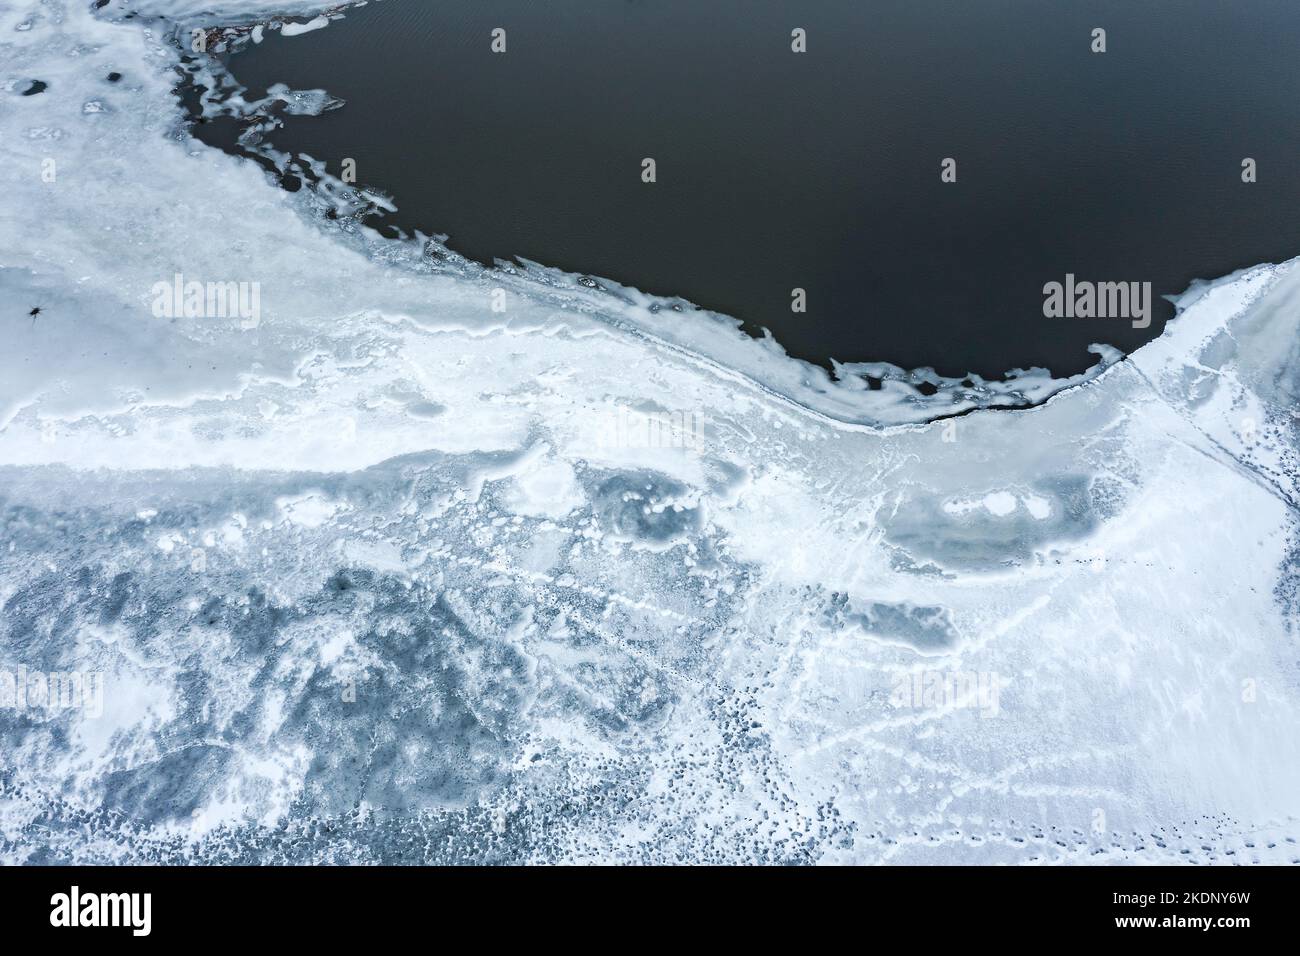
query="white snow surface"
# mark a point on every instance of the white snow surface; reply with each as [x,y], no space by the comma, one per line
[389,556]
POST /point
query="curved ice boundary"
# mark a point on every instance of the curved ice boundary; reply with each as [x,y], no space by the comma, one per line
[875,393]
[382,575]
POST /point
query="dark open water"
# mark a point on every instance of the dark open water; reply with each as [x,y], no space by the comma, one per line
[822,170]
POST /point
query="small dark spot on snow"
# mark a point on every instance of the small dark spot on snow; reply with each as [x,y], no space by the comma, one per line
[38,86]
[114,77]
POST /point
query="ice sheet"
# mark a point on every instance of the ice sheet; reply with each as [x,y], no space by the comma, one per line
[567,582]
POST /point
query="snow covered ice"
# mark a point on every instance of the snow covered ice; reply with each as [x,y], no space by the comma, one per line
[389,575]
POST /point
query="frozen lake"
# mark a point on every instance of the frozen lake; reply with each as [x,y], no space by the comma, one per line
[821,170]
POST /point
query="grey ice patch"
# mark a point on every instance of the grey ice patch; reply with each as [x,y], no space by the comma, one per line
[982,540]
[647,508]
[425,409]
[173,787]
[926,628]
[727,480]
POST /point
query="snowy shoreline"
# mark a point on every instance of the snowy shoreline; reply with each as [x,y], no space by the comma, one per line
[384,576]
